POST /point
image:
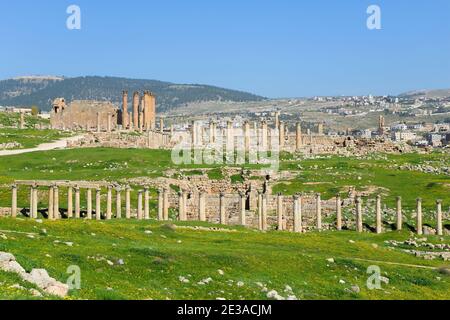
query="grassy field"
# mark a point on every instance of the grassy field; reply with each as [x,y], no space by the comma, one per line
[155,255]
[29,138]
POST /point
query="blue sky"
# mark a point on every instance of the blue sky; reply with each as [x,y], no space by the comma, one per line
[276,48]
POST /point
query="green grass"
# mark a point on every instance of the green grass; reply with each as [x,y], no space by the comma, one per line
[30,138]
[154,262]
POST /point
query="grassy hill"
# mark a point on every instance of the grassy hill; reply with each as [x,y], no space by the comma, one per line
[151,260]
[41,91]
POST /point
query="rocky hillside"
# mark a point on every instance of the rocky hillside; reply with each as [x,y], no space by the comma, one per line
[40,91]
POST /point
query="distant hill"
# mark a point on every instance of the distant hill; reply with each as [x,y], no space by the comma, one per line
[41,90]
[436,93]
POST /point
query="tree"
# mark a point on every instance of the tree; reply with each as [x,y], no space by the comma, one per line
[34,110]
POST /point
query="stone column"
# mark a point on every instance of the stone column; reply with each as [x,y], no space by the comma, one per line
[146,203]
[98,204]
[419,225]
[99,129]
[109,203]
[70,202]
[281,130]
[298,137]
[277,119]
[264,211]
[319,211]
[139,205]
[14,201]
[166,205]
[260,210]
[108,128]
[439,231]
[161,125]
[160,205]
[211,132]
[359,219]
[50,203]
[246,136]
[89,203]
[56,214]
[77,203]
[136,110]
[222,210]
[280,211]
[338,212]
[31,201]
[202,206]
[22,121]
[125,118]
[35,202]
[242,218]
[378,215]
[181,213]
[399,213]
[264,138]
[118,203]
[128,202]
[298,214]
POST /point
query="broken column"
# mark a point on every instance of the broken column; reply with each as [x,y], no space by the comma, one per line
[69,202]
[109,203]
[260,210]
[419,226]
[139,206]
[161,125]
[202,206]
[160,205]
[50,203]
[359,220]
[181,213]
[280,211]
[281,132]
[89,203]
[298,214]
[125,117]
[222,208]
[166,205]
[128,202]
[319,211]
[338,212]
[136,110]
[14,201]
[109,123]
[264,211]
[264,137]
[242,218]
[56,214]
[118,203]
[35,202]
[99,128]
[399,213]
[31,201]
[439,217]
[22,121]
[98,214]
[378,215]
[246,136]
[146,203]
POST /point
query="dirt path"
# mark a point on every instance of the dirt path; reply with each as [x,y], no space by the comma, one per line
[59,144]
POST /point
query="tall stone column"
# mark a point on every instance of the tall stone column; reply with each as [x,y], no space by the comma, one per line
[439,231]
[128,202]
[338,212]
[185,202]
[264,211]
[298,214]
[139,206]
[99,128]
[109,203]
[50,204]
[31,201]
[98,204]
[246,136]
[281,132]
[378,215]
[125,117]
[211,132]
[160,205]
[161,125]
[264,138]
[166,205]
[399,213]
[89,203]
[359,219]
[280,211]
[223,218]
[136,110]
[202,206]
[118,203]
[35,202]
[319,211]
[70,202]
[277,119]
[298,137]
[260,210]
[14,201]
[146,203]
[109,125]
[181,216]
[77,203]
[243,216]
[56,203]
[419,225]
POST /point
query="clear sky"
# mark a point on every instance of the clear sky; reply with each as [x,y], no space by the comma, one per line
[275,48]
